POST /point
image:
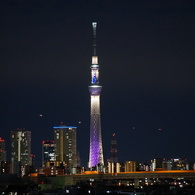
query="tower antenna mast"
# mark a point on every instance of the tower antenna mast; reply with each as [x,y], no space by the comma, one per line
[94,24]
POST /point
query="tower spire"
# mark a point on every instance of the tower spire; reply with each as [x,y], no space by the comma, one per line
[94,24]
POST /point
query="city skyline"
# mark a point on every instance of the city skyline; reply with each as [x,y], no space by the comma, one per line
[146,51]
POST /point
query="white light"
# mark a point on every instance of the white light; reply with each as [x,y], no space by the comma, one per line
[94,24]
[94,60]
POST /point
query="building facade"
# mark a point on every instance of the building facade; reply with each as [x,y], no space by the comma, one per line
[130,166]
[48,152]
[21,151]
[65,140]
[2,150]
[96,149]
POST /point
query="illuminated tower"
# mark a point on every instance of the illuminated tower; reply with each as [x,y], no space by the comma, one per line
[96,150]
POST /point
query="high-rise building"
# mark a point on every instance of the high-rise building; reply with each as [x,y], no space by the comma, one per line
[96,149]
[130,166]
[66,145]
[179,164]
[48,151]
[21,151]
[156,164]
[5,167]
[2,150]
[167,164]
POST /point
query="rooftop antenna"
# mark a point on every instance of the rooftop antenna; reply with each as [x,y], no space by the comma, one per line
[94,24]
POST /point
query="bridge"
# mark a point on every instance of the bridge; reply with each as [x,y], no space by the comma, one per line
[187,174]
[133,178]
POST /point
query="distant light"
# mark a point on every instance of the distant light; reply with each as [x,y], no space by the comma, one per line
[160,129]
[79,122]
[64,127]
[94,24]
[40,115]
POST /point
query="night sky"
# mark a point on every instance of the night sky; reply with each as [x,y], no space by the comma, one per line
[146,54]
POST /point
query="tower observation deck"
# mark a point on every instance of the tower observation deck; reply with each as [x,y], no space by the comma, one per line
[96,149]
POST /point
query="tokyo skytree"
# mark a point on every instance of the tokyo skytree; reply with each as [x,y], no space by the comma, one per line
[96,149]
